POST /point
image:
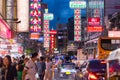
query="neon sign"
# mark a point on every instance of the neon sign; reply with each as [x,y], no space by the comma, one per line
[35,15]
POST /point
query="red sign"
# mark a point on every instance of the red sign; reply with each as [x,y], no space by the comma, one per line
[94,29]
[52,41]
[53,32]
[94,21]
[5,31]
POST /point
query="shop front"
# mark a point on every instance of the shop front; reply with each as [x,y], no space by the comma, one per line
[5,35]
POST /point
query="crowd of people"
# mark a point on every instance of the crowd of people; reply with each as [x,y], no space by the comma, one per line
[23,68]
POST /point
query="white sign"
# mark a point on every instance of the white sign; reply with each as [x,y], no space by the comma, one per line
[113,33]
[77,4]
[48,16]
[22,12]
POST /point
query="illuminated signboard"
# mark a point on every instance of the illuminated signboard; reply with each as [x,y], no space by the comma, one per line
[35,15]
[48,16]
[46,34]
[77,4]
[113,33]
[34,36]
[53,32]
[22,14]
[94,21]
[5,31]
[96,4]
[52,41]
[77,25]
[94,29]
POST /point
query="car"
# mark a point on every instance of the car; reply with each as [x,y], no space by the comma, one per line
[94,69]
[78,74]
[67,71]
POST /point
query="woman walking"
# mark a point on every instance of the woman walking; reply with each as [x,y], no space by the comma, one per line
[9,70]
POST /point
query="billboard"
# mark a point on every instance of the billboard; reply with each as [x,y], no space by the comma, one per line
[22,13]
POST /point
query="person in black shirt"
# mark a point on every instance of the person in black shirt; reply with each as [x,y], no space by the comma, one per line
[10,72]
[41,68]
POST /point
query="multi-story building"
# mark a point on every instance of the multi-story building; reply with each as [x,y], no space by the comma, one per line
[62,37]
[95,11]
[112,9]
[70,28]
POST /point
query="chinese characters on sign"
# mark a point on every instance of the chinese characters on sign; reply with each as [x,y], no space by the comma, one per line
[35,15]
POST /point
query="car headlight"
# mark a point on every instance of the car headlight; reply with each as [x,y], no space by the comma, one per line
[61,74]
[80,75]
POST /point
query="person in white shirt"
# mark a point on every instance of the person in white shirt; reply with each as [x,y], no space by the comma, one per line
[48,71]
[30,68]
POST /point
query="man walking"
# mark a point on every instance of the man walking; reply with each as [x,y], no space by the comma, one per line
[41,68]
[30,68]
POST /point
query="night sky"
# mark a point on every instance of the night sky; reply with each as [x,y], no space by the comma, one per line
[61,11]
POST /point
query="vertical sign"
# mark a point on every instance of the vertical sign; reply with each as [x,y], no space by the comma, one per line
[46,34]
[77,6]
[22,14]
[52,39]
[77,25]
[35,15]
[47,17]
[52,42]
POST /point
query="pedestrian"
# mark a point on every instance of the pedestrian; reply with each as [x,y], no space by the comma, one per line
[19,68]
[48,70]
[10,72]
[41,68]
[30,68]
[1,68]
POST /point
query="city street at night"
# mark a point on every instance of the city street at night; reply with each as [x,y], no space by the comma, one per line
[59,39]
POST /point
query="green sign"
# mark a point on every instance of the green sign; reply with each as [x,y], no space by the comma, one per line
[77,4]
[48,16]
